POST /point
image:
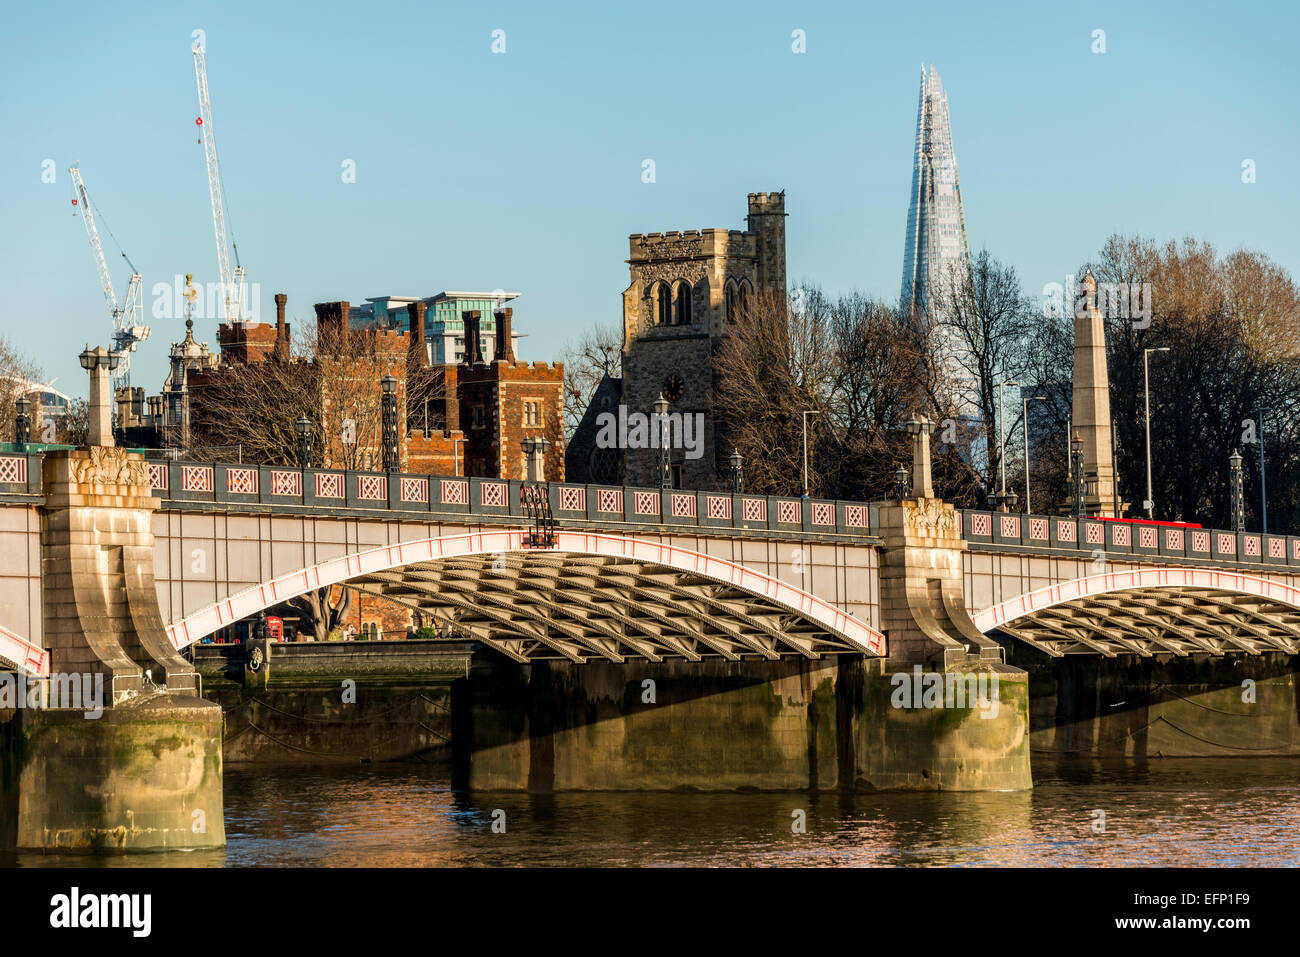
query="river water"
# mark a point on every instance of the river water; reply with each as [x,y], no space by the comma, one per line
[1158,813]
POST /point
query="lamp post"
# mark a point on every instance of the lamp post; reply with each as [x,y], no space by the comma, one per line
[1149,504]
[1076,475]
[737,475]
[23,423]
[661,423]
[388,387]
[1263,486]
[1237,502]
[900,482]
[806,413]
[455,451]
[919,428]
[1002,452]
[1024,405]
[535,457]
[100,363]
[303,426]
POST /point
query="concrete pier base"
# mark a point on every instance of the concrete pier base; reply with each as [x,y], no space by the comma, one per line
[780,725]
[1198,706]
[145,775]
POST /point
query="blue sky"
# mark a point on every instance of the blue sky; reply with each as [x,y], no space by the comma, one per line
[523,170]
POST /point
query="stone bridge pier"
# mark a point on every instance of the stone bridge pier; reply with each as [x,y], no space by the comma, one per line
[112,748]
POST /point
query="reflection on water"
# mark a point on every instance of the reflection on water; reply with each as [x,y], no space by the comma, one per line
[1170,812]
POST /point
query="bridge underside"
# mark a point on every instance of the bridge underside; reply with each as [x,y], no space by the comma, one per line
[547,604]
[1160,620]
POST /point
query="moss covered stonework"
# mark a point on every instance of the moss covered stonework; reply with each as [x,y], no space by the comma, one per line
[146,775]
[716,725]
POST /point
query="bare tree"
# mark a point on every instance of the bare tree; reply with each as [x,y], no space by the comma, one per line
[985,325]
[18,375]
[332,379]
[596,354]
[322,611]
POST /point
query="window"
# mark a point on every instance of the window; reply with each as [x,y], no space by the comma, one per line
[663,304]
[676,471]
[476,417]
[682,308]
[532,412]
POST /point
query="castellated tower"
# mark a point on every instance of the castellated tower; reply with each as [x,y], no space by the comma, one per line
[686,288]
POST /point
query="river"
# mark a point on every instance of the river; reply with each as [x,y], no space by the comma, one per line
[1159,813]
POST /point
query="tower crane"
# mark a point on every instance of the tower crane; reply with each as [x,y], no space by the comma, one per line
[128,331]
[232,280]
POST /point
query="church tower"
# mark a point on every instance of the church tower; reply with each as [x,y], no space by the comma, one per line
[686,288]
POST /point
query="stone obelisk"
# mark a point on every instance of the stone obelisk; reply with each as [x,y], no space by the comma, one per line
[1091,405]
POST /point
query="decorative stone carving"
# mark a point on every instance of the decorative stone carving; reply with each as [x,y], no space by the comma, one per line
[931,518]
[110,466]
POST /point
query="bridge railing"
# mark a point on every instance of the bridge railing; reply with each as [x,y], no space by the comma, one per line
[459,495]
[219,482]
[1116,539]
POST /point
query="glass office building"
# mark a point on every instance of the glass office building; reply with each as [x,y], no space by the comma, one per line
[936,225]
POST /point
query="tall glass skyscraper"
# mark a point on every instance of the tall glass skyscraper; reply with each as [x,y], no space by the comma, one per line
[936,224]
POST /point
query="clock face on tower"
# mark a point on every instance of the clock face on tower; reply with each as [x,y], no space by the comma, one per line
[673,388]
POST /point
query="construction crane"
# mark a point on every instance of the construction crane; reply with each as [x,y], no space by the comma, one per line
[232,280]
[128,330]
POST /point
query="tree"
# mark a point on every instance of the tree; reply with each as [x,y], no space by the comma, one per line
[596,354]
[322,612]
[18,374]
[331,378]
[985,325]
[1230,325]
[775,363]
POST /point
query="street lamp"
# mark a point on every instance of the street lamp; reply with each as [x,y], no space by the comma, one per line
[806,413]
[737,476]
[1002,452]
[388,386]
[900,482]
[23,423]
[1263,487]
[304,442]
[1076,474]
[661,423]
[1237,503]
[1024,405]
[1149,504]
[99,362]
[455,451]
[534,457]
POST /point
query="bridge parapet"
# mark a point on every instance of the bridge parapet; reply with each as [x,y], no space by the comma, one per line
[180,483]
[1130,540]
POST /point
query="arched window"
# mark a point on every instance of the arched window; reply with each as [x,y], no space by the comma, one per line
[663,305]
[742,297]
[682,309]
[732,300]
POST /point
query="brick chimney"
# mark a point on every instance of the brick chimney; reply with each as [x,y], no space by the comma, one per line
[281,352]
[473,337]
[332,317]
[419,352]
[450,399]
[505,341]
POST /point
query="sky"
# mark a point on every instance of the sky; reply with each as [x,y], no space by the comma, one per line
[523,169]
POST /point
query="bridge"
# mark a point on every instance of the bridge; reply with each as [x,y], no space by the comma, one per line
[653,574]
[113,564]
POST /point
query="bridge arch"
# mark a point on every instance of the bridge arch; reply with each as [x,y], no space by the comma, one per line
[1150,611]
[589,596]
[19,653]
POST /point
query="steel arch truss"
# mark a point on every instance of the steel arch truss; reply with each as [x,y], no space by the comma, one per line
[1146,612]
[20,654]
[591,596]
